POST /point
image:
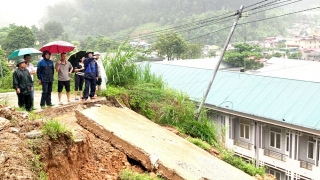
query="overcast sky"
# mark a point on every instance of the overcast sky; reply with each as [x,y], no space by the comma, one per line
[23,12]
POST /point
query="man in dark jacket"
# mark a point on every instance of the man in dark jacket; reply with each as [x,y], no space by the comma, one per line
[90,76]
[45,72]
[23,85]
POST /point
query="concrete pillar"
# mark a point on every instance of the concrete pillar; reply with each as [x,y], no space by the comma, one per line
[293,150]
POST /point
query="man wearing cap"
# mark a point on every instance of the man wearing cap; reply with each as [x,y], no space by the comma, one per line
[32,71]
[64,69]
[23,85]
[45,72]
[90,76]
[101,73]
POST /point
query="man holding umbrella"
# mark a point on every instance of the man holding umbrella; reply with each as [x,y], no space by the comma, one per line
[45,72]
[32,71]
[90,76]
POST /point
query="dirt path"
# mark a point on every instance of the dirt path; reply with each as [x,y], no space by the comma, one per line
[12,99]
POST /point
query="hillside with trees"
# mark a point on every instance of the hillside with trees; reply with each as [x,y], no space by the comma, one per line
[117,19]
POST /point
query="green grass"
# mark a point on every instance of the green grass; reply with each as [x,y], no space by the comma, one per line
[130,175]
[34,116]
[239,163]
[53,128]
[198,142]
[37,167]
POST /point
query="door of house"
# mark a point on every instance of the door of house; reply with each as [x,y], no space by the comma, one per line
[287,145]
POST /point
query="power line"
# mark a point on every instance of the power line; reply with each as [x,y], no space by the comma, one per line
[209,33]
[275,2]
[277,6]
[207,20]
[211,20]
[260,20]
[280,15]
[256,4]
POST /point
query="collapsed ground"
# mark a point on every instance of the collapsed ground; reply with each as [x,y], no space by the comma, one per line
[26,155]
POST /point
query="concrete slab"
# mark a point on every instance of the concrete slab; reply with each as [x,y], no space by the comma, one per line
[155,147]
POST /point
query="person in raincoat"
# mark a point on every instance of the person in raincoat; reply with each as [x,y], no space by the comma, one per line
[23,85]
[45,72]
[102,77]
[90,76]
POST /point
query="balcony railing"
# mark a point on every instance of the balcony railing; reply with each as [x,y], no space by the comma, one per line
[306,165]
[242,144]
[275,155]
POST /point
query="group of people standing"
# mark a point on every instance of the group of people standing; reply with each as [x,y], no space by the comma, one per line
[88,71]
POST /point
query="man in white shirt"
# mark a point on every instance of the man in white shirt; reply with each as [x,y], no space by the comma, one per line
[32,71]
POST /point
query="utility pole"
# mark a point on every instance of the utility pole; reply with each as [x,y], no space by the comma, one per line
[239,12]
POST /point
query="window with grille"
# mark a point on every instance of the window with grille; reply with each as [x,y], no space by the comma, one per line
[244,129]
[275,137]
[311,147]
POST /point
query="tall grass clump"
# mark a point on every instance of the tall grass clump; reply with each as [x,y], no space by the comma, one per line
[130,175]
[54,128]
[121,68]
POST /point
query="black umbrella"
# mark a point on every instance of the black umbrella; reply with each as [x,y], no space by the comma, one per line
[75,58]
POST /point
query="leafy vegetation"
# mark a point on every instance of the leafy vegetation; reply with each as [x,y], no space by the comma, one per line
[19,37]
[148,95]
[244,55]
[53,128]
[199,143]
[37,167]
[239,163]
[130,175]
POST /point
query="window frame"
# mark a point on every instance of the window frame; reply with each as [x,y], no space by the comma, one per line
[245,123]
[312,141]
[274,173]
[287,142]
[275,137]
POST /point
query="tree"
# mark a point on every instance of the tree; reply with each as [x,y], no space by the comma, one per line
[54,29]
[4,68]
[43,37]
[170,44]
[19,37]
[296,55]
[244,55]
[193,51]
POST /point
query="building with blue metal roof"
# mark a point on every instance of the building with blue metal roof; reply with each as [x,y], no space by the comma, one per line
[275,121]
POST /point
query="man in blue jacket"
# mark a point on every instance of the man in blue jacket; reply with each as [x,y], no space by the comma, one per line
[45,72]
[90,76]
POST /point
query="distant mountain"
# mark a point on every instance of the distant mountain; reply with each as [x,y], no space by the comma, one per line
[82,18]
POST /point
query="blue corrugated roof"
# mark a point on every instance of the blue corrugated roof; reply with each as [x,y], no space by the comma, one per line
[295,101]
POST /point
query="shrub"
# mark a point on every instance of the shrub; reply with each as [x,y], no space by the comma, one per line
[53,128]
[199,143]
[130,175]
[239,163]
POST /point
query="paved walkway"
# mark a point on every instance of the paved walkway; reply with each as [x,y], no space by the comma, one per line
[155,146]
[12,98]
